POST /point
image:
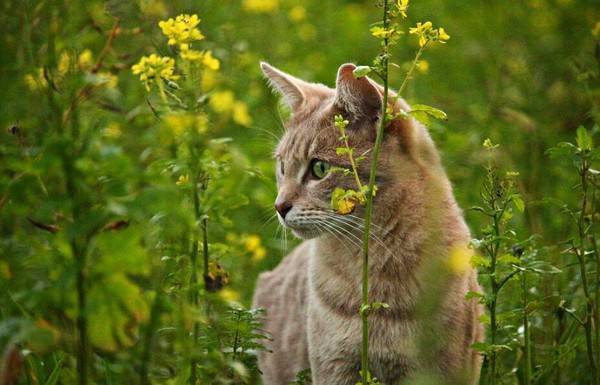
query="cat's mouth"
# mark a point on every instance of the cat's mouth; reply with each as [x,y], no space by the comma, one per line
[301,229]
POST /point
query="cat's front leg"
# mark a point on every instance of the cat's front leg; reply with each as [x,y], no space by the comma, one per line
[333,346]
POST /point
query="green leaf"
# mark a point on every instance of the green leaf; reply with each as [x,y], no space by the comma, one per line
[361,71]
[509,259]
[431,111]
[518,202]
[584,140]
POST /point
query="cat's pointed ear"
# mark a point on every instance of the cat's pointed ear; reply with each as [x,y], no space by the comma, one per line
[359,97]
[290,87]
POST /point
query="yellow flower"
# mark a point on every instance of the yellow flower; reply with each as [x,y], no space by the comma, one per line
[209,80]
[443,36]
[342,201]
[37,81]
[85,60]
[178,123]
[189,54]
[420,28]
[240,114]
[402,6]
[260,6]
[297,14]
[252,244]
[152,67]
[64,63]
[382,33]
[427,33]
[222,101]
[423,66]
[183,180]
[210,62]
[113,130]
[229,295]
[182,30]
[459,259]
[108,80]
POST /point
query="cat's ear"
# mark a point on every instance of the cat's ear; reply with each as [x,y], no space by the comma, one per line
[359,97]
[290,87]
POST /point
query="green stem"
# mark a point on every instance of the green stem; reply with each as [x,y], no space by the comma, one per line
[526,331]
[194,279]
[369,208]
[580,253]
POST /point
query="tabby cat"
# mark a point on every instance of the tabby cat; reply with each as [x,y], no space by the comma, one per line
[313,297]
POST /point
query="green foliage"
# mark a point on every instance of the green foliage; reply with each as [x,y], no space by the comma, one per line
[99,177]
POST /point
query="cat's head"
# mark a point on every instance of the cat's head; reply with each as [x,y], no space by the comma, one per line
[306,156]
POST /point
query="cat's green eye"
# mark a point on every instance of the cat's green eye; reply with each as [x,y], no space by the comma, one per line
[319,168]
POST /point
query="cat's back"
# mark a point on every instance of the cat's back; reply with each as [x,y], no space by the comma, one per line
[282,293]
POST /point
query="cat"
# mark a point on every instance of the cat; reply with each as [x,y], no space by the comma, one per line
[312,298]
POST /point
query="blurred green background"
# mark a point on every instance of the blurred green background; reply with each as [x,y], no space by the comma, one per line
[523,73]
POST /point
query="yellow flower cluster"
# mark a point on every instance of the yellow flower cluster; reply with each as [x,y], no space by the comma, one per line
[154,67]
[181,30]
[253,245]
[206,57]
[223,102]
[427,33]
[179,122]
[67,64]
[402,7]
[260,6]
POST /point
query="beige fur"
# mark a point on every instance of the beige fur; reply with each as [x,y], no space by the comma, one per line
[313,297]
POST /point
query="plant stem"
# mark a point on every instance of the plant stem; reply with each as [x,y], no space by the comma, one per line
[495,289]
[194,278]
[369,206]
[580,253]
[526,331]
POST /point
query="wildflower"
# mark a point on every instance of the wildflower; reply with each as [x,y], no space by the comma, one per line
[240,114]
[37,81]
[108,80]
[423,66]
[182,30]
[210,62]
[151,67]
[343,201]
[402,6]
[209,80]
[183,180]
[423,31]
[229,295]
[113,130]
[459,259]
[222,101]
[382,33]
[297,14]
[260,6]
[253,245]
[85,60]
[487,143]
[442,35]
[189,54]
[427,33]
[178,123]
[64,63]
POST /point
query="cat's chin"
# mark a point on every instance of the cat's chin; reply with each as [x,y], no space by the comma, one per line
[306,233]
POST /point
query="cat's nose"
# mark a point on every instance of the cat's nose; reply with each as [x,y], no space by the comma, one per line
[283,207]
